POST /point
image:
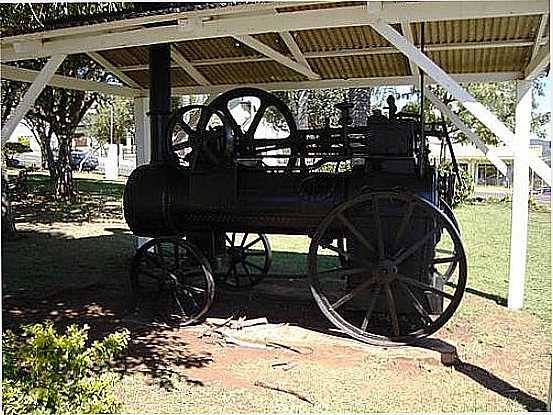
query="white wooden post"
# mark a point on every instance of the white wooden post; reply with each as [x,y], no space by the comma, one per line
[449,84]
[519,209]
[142,141]
[142,130]
[31,95]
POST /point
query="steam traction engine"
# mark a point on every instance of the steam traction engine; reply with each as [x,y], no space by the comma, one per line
[386,264]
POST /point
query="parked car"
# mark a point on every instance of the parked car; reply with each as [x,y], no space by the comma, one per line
[90,161]
[12,162]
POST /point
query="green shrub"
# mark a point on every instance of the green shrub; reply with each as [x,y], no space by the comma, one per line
[46,372]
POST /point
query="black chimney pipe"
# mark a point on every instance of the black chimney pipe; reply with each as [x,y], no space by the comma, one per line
[160,101]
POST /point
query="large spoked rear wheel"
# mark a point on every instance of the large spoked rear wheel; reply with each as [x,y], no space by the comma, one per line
[400,275]
[249,260]
[172,275]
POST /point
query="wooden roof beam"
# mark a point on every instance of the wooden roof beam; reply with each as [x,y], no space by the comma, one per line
[294,48]
[188,67]
[60,81]
[262,48]
[539,35]
[538,64]
[110,67]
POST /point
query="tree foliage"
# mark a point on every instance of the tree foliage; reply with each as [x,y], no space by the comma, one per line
[61,109]
[499,97]
[46,372]
[99,123]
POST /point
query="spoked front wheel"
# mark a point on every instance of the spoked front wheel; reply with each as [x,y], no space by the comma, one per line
[400,275]
[249,260]
[172,275]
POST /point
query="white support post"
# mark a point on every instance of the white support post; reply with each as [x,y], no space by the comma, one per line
[469,102]
[143,142]
[31,95]
[475,138]
[142,130]
[519,209]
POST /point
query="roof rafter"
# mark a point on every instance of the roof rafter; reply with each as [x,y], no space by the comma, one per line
[408,33]
[185,64]
[277,56]
[294,48]
[539,35]
[61,81]
[110,67]
[538,64]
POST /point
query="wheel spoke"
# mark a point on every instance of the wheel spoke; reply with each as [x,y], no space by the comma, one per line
[244,240]
[392,309]
[403,226]
[181,146]
[246,270]
[227,239]
[187,129]
[191,271]
[370,308]
[176,298]
[380,236]
[424,286]
[233,238]
[253,243]
[415,247]
[353,293]
[355,232]
[445,260]
[416,303]
[337,249]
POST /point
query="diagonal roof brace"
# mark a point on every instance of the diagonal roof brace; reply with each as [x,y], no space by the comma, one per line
[188,67]
[262,48]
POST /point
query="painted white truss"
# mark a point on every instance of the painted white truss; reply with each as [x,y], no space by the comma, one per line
[61,81]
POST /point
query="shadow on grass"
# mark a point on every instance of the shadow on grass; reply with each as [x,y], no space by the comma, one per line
[48,276]
[96,199]
[84,280]
[499,386]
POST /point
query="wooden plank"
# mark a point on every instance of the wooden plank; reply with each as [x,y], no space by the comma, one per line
[188,67]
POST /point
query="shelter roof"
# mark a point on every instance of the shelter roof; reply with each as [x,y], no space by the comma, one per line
[290,45]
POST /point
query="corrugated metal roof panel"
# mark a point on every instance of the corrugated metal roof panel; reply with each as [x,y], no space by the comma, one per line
[221,47]
[360,66]
[356,37]
[252,72]
[479,30]
[127,56]
[178,78]
[482,60]
[274,41]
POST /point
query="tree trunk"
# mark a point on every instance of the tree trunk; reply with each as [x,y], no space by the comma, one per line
[64,180]
[8,222]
